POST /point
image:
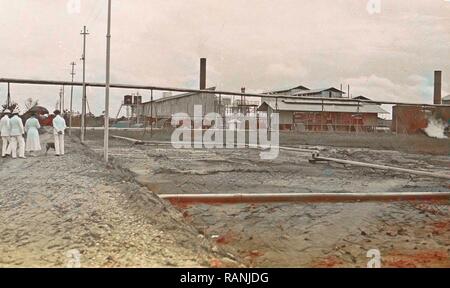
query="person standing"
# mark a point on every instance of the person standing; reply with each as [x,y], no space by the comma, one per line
[5,127]
[33,143]
[59,125]
[16,133]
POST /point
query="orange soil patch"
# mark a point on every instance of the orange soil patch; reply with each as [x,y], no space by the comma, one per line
[328,262]
[421,259]
[226,238]
[441,227]
[251,257]
[432,207]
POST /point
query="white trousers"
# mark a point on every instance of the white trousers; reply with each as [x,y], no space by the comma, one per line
[6,147]
[59,144]
[17,145]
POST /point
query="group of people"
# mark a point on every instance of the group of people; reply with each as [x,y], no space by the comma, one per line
[12,132]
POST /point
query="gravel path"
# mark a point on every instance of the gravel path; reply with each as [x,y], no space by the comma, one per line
[50,205]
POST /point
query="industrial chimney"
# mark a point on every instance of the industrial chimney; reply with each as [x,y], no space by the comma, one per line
[437,87]
[202,73]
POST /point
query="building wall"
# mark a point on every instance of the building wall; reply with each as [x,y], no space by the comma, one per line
[413,119]
[165,109]
[333,121]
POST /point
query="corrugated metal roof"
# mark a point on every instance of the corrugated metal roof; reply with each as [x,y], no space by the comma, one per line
[168,98]
[301,87]
[326,106]
[315,91]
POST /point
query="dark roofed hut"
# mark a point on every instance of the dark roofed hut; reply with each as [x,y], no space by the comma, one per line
[40,112]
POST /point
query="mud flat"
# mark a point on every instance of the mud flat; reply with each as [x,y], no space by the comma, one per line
[407,234]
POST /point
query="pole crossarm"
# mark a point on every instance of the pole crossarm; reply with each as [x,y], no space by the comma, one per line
[173,89]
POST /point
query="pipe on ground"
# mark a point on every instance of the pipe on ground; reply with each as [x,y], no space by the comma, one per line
[302,197]
[383,167]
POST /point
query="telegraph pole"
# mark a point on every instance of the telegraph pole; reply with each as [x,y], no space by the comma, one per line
[8,100]
[60,99]
[63,99]
[108,71]
[71,97]
[83,104]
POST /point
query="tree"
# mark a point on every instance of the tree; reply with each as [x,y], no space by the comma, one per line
[12,106]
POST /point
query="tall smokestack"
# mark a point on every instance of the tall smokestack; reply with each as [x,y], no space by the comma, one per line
[437,87]
[202,73]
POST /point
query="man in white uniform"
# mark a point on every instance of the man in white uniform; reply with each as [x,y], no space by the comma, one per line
[59,125]
[4,133]
[16,133]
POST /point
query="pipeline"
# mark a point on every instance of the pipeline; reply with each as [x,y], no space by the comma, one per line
[252,146]
[302,197]
[382,167]
[315,158]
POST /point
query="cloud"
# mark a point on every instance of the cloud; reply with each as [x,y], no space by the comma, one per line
[260,44]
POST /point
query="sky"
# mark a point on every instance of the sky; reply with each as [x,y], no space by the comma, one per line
[387,52]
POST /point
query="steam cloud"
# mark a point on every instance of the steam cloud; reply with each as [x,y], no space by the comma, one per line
[436,128]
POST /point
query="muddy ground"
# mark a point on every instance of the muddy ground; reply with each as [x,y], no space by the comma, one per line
[51,206]
[408,234]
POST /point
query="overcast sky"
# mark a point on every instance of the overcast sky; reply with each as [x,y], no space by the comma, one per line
[259,44]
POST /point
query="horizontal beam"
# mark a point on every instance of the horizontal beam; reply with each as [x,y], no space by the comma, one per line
[301,197]
[184,90]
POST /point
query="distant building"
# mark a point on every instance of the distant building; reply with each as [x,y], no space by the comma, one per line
[446,100]
[290,91]
[331,113]
[302,91]
[326,115]
[164,108]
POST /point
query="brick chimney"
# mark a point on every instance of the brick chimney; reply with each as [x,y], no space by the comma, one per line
[437,87]
[202,73]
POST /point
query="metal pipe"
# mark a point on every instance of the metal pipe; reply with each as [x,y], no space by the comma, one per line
[137,141]
[383,167]
[302,197]
[159,88]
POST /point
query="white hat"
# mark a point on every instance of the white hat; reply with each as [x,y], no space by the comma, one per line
[7,111]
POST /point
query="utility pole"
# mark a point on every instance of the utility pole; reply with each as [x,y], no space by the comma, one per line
[60,99]
[63,99]
[8,99]
[108,68]
[83,102]
[71,97]
[151,115]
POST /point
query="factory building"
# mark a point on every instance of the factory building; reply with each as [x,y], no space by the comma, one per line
[413,119]
[326,114]
[303,91]
[162,109]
